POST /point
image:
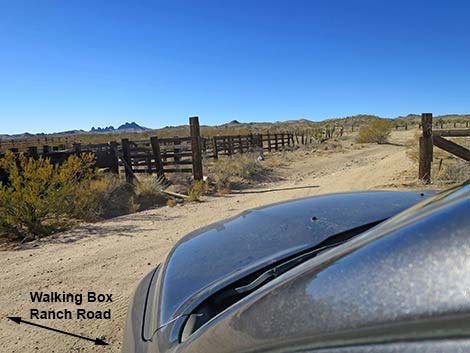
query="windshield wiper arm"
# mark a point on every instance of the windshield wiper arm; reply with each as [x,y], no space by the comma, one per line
[282,268]
[328,243]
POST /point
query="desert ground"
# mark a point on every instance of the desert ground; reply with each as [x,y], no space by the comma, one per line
[112,256]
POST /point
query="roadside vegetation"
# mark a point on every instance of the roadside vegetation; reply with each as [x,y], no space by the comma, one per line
[40,198]
[375,131]
[242,170]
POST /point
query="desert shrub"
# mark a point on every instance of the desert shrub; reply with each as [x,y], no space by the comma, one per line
[453,171]
[149,192]
[376,131]
[112,197]
[148,186]
[171,202]
[197,189]
[236,169]
[41,198]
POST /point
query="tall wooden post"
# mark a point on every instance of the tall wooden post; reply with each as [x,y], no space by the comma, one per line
[157,155]
[114,155]
[425,148]
[196,148]
[214,149]
[259,139]
[230,145]
[77,148]
[33,151]
[126,160]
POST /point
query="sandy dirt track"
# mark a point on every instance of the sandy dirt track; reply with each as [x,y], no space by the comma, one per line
[112,256]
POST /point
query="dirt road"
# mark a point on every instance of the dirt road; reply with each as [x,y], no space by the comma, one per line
[112,256]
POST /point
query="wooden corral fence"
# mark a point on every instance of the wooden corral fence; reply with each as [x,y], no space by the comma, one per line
[436,138]
[172,155]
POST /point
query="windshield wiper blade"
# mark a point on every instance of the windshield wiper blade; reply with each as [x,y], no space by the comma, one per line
[282,268]
[328,243]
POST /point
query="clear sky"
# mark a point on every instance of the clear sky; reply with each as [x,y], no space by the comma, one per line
[70,64]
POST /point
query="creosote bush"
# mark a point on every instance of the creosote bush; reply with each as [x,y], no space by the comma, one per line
[41,198]
[376,131]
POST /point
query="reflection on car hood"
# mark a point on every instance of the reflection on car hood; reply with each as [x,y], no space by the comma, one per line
[208,259]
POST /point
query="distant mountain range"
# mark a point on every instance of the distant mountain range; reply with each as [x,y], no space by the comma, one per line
[355,120]
[127,127]
[124,128]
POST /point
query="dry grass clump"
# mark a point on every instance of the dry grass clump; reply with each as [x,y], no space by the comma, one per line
[171,202]
[148,192]
[447,168]
[198,188]
[376,131]
[114,197]
[237,170]
[453,171]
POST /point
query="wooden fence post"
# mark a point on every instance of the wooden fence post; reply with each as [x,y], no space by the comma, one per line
[77,148]
[126,160]
[203,144]
[425,148]
[157,155]
[196,148]
[215,152]
[269,142]
[114,155]
[231,149]
[259,138]
[33,151]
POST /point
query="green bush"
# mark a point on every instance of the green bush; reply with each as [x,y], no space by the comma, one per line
[376,131]
[41,198]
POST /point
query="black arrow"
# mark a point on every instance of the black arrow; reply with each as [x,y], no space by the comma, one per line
[19,320]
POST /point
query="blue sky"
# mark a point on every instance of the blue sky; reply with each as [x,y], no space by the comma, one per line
[76,64]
